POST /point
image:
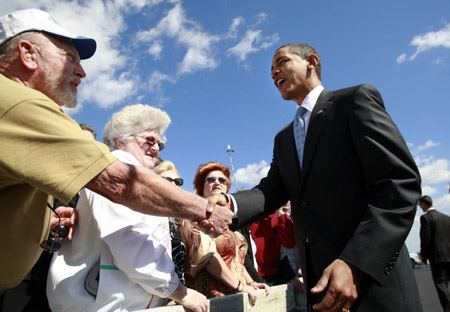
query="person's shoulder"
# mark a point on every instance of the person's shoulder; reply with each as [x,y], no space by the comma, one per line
[285,130]
[439,214]
[365,87]
[18,91]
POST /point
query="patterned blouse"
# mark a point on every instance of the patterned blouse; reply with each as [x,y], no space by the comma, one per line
[231,246]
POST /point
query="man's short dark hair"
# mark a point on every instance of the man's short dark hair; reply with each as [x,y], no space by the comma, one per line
[426,200]
[304,50]
[88,128]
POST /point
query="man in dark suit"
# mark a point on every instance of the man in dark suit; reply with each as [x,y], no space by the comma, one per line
[353,196]
[435,247]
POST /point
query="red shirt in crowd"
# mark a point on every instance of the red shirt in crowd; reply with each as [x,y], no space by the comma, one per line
[269,234]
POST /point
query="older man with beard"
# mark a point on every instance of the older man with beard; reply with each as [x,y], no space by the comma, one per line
[44,152]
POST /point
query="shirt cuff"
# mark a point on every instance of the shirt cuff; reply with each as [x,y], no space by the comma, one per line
[235,206]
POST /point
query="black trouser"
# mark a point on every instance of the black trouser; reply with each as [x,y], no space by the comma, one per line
[441,278]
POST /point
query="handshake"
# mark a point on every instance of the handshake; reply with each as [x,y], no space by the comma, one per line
[217,220]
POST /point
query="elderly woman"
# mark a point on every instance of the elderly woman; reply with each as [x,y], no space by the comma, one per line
[216,267]
[119,259]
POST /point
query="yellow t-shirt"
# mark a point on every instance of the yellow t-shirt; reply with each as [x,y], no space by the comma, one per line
[43,152]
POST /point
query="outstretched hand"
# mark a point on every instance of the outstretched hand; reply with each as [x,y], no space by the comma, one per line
[218,216]
[343,282]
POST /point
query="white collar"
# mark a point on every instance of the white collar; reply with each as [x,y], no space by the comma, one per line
[311,99]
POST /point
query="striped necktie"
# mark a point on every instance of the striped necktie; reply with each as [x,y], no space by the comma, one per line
[299,132]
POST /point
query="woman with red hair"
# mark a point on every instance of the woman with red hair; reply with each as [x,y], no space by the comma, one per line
[216,267]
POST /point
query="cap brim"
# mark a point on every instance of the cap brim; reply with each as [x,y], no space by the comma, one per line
[85,46]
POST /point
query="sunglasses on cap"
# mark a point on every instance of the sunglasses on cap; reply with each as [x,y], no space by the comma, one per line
[177,181]
[152,141]
[213,179]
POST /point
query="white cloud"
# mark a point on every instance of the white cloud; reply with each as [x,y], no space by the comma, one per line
[155,86]
[188,33]
[435,171]
[428,144]
[428,190]
[428,41]
[232,31]
[113,90]
[260,18]
[155,50]
[156,80]
[401,58]
[252,42]
[438,60]
[253,173]
[442,203]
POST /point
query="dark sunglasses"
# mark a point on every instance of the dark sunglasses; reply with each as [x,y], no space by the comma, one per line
[213,179]
[57,235]
[152,141]
[177,181]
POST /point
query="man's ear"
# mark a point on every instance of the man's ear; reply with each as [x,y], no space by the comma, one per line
[313,61]
[28,54]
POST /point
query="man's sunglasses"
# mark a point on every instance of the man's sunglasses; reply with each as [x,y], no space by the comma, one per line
[177,181]
[57,235]
[213,179]
[152,141]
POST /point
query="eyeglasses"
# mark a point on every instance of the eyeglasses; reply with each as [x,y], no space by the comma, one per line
[177,181]
[57,235]
[151,141]
[213,179]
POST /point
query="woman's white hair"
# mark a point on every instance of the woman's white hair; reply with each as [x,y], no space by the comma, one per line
[133,119]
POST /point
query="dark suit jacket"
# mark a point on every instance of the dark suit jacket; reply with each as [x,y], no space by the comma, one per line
[435,237]
[355,198]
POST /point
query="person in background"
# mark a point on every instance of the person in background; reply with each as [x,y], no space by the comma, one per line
[167,170]
[121,259]
[435,247]
[291,253]
[216,267]
[269,234]
[88,130]
[46,154]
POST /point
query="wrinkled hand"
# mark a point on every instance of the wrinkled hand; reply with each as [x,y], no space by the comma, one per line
[299,287]
[219,216]
[257,286]
[190,299]
[343,281]
[195,301]
[69,218]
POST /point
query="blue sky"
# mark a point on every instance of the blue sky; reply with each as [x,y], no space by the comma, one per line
[207,63]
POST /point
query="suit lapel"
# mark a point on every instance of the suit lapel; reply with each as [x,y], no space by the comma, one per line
[316,123]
